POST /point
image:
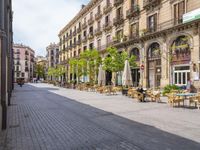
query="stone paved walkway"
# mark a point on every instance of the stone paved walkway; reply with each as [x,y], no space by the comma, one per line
[43,118]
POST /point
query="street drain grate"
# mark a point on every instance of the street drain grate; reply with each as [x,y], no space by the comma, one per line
[14,126]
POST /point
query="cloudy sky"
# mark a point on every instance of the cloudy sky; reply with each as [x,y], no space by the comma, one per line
[38,22]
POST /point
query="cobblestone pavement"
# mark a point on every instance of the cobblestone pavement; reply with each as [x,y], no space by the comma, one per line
[40,119]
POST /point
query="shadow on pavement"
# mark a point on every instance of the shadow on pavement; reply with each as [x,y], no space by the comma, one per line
[99,128]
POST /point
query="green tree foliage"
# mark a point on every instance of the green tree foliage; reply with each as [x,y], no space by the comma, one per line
[57,72]
[86,64]
[115,61]
[40,71]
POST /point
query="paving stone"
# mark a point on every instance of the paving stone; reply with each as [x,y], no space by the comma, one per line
[43,119]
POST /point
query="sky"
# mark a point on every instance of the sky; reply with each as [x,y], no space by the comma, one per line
[36,23]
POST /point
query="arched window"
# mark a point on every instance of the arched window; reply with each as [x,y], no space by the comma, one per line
[180,47]
[154,50]
[135,52]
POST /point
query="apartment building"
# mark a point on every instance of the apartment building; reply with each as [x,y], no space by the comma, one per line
[162,34]
[42,61]
[6,59]
[52,55]
[24,62]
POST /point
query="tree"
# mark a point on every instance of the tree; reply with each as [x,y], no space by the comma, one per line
[86,64]
[115,60]
[40,71]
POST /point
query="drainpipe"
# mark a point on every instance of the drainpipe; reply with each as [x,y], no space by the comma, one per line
[3,64]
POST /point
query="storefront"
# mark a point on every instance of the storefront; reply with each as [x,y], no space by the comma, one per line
[135,72]
[180,60]
[154,65]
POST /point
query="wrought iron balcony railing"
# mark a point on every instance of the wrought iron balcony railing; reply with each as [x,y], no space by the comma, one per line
[118,20]
[98,15]
[107,8]
[118,2]
[133,12]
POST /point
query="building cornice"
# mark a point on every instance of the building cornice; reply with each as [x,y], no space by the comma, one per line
[81,13]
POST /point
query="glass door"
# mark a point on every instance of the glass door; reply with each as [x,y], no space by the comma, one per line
[181,75]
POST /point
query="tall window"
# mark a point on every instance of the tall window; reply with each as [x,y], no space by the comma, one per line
[119,34]
[91,30]
[152,23]
[107,19]
[85,33]
[133,3]
[99,9]
[108,39]
[91,15]
[134,30]
[99,24]
[179,10]
[119,12]
[99,44]
[85,48]
[107,2]
[91,46]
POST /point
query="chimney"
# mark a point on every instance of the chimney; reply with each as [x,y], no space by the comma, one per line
[82,6]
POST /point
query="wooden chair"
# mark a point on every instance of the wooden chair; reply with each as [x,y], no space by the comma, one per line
[173,99]
[155,96]
[195,100]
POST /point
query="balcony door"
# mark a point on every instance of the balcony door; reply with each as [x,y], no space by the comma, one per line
[179,10]
[152,23]
[154,65]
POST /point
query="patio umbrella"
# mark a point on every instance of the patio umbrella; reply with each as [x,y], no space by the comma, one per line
[101,76]
[126,77]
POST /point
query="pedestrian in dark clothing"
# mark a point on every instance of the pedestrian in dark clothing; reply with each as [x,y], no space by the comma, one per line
[142,95]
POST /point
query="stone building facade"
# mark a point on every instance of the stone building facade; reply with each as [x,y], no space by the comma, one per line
[158,32]
[24,62]
[52,56]
[6,59]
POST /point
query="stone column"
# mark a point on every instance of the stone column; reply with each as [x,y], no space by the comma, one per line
[164,65]
[195,57]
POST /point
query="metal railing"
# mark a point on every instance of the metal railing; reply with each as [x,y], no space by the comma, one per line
[118,2]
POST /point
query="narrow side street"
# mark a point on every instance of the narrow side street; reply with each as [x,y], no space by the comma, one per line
[43,118]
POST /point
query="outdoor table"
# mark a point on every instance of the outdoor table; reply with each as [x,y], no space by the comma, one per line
[185,95]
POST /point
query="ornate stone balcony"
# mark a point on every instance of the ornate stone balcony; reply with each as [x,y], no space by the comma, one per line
[84,25]
[90,21]
[73,45]
[98,32]
[107,8]
[107,26]
[79,30]
[150,3]
[133,12]
[90,36]
[84,39]
[98,15]
[118,2]
[118,20]
[78,42]
[70,36]
[74,33]
[134,35]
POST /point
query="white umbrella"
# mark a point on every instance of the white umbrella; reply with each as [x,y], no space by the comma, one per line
[126,77]
[101,76]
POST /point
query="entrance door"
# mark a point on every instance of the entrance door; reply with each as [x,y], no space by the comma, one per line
[135,77]
[108,77]
[181,75]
